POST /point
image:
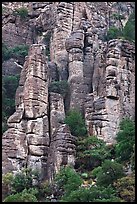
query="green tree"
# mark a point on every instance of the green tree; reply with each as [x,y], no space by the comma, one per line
[92,194]
[109,172]
[125,140]
[129,29]
[91,152]
[125,188]
[9,86]
[76,123]
[60,87]
[24,196]
[67,180]
[23,180]
[6,52]
[113,33]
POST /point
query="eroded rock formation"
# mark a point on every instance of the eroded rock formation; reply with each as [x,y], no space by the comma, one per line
[100,74]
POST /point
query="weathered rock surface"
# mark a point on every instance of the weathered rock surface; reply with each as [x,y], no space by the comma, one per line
[101,77]
[62,151]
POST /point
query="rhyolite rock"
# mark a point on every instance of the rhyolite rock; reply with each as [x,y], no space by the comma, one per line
[100,74]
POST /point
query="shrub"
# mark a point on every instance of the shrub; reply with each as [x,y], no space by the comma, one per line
[92,194]
[125,188]
[76,123]
[60,87]
[20,51]
[68,180]
[6,52]
[24,196]
[9,86]
[113,33]
[109,172]
[22,12]
[125,140]
[91,152]
[15,52]
[129,29]
[23,180]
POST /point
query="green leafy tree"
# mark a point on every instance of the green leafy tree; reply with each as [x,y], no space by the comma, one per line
[109,172]
[91,152]
[125,140]
[6,52]
[76,123]
[9,86]
[113,33]
[92,194]
[129,29]
[24,196]
[23,180]
[60,87]
[67,180]
[125,188]
[19,51]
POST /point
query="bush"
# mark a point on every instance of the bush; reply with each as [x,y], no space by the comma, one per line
[91,152]
[109,172]
[6,52]
[60,87]
[125,140]
[24,196]
[113,33]
[125,188]
[9,86]
[20,51]
[129,29]
[92,194]
[68,180]
[76,123]
[15,52]
[22,12]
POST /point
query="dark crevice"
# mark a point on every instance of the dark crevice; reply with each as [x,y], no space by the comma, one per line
[73,15]
[49,123]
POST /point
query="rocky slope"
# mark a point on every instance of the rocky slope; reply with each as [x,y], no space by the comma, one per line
[100,74]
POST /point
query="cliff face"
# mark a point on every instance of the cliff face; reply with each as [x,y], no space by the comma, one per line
[100,74]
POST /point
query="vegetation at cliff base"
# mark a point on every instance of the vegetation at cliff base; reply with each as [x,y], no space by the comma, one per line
[107,180]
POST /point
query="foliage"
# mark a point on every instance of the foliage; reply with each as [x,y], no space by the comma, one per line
[15,52]
[125,140]
[22,12]
[128,32]
[60,87]
[129,29]
[113,33]
[7,178]
[91,152]
[68,180]
[133,159]
[92,194]
[109,172]
[76,123]
[6,52]
[9,86]
[20,51]
[117,16]
[24,196]
[125,188]
[24,179]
